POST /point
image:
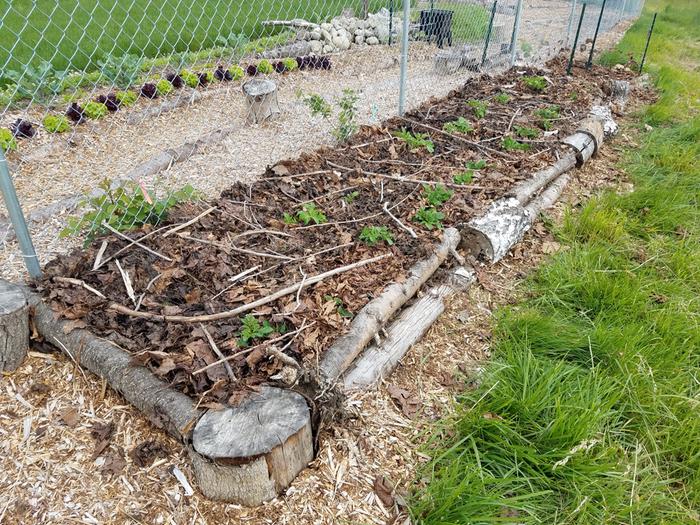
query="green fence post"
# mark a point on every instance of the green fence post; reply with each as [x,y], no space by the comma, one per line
[646,47]
[595,37]
[488,32]
[569,69]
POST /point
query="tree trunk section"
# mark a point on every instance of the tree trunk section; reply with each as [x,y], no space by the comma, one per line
[14,326]
[261,100]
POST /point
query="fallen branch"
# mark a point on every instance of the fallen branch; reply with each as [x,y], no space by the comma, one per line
[189,223]
[246,307]
[82,284]
[135,243]
[218,353]
[127,282]
[398,221]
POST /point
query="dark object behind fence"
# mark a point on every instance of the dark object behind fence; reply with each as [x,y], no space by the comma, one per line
[437,23]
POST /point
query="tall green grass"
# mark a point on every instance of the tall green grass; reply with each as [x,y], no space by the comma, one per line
[590,411]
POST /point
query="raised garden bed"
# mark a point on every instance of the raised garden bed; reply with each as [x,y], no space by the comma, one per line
[256,286]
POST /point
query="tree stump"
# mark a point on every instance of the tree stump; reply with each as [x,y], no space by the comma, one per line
[14,326]
[248,454]
[261,100]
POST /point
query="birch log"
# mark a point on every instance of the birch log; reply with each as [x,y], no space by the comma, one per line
[14,326]
[373,316]
[248,454]
[524,191]
[378,361]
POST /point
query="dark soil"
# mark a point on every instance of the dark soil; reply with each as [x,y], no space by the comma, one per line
[345,183]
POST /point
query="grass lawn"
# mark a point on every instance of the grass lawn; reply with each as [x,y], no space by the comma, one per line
[590,410]
[76,33]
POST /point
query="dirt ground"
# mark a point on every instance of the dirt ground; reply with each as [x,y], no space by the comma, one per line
[73,451]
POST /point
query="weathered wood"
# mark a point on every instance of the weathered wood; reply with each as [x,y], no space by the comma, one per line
[593,127]
[526,190]
[378,361]
[604,113]
[378,311]
[14,326]
[583,144]
[494,233]
[261,100]
[248,454]
[166,408]
[297,22]
[185,98]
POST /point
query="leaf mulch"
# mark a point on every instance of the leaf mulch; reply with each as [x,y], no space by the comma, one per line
[246,232]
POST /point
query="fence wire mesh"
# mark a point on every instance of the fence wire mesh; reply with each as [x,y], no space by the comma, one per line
[112,112]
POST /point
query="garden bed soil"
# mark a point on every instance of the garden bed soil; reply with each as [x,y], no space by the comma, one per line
[245,232]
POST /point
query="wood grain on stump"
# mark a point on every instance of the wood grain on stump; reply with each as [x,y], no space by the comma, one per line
[14,326]
[261,100]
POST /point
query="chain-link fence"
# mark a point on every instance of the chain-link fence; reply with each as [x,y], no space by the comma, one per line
[111,112]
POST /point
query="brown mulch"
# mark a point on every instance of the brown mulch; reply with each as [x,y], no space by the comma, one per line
[207,254]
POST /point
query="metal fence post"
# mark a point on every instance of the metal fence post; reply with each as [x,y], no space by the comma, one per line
[570,25]
[9,194]
[488,33]
[404,56]
[646,47]
[570,68]
[516,30]
[595,36]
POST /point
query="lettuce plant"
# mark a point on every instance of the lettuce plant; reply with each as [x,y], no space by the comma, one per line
[126,98]
[290,64]
[95,111]
[149,90]
[190,79]
[265,67]
[163,87]
[56,124]
[237,72]
[7,140]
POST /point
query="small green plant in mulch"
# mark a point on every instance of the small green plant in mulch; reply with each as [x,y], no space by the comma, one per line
[479,107]
[290,64]
[502,98]
[436,195]
[347,125]
[123,208]
[525,132]
[535,83]
[573,96]
[340,306]
[7,140]
[430,218]
[464,178]
[372,235]
[350,197]
[318,105]
[56,124]
[95,110]
[310,213]
[415,140]
[476,164]
[265,67]
[461,125]
[252,329]
[190,79]
[510,144]
[126,98]
[526,48]
[546,116]
[290,219]
[163,87]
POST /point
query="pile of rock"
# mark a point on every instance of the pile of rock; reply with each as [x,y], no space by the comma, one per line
[345,31]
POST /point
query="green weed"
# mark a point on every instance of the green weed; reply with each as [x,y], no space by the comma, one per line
[372,235]
[461,125]
[436,195]
[430,218]
[479,108]
[415,140]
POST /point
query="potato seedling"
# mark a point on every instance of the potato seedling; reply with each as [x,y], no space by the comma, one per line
[415,140]
[289,219]
[510,144]
[163,87]
[310,213]
[7,140]
[371,235]
[264,67]
[430,218]
[461,125]
[350,197]
[535,83]
[347,126]
[464,178]
[547,115]
[437,195]
[95,110]
[476,164]
[502,98]
[318,105]
[525,132]
[478,107]
[56,124]
[252,329]
[126,98]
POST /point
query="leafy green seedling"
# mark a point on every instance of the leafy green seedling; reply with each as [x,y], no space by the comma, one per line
[535,83]
[56,124]
[461,125]
[525,132]
[479,107]
[371,235]
[310,213]
[437,195]
[252,329]
[350,197]
[126,98]
[95,110]
[290,64]
[237,72]
[464,178]
[7,140]
[415,140]
[502,98]
[289,219]
[510,144]
[318,105]
[163,87]
[347,126]
[265,67]
[476,164]
[547,115]
[340,306]
[430,218]
[189,78]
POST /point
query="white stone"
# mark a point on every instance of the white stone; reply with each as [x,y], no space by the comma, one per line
[341,42]
[315,35]
[326,35]
[359,39]
[326,26]
[328,48]
[373,41]
[316,46]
